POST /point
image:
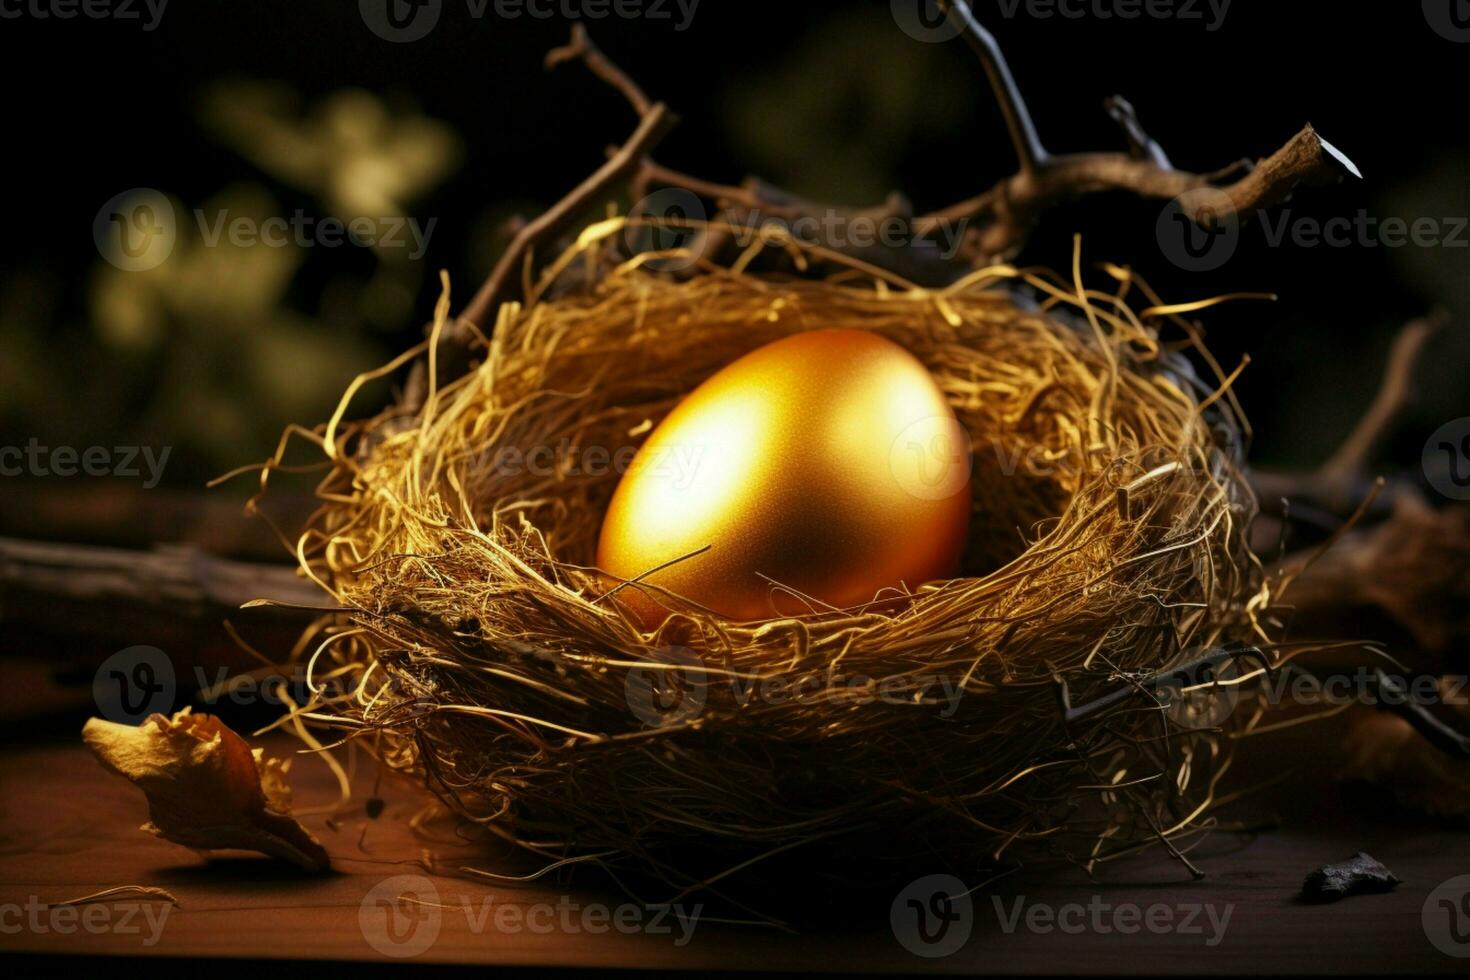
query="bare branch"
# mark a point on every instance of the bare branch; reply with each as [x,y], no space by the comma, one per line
[1393,396]
[1009,209]
[1306,159]
[1412,570]
[582,49]
[654,122]
[1029,151]
[173,577]
[652,128]
[1143,146]
[177,597]
[995,224]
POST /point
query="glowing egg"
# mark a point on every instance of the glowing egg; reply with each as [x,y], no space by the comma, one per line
[812,473]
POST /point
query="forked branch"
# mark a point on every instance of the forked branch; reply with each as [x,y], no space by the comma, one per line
[995,223]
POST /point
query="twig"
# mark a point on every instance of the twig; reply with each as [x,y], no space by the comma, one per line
[582,49]
[1306,159]
[1043,181]
[654,122]
[1001,216]
[176,578]
[1184,675]
[1140,143]
[1397,700]
[1321,499]
[1030,154]
[1351,459]
[652,128]
[1011,207]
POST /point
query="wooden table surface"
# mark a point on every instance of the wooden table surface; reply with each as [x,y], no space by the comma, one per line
[67,829]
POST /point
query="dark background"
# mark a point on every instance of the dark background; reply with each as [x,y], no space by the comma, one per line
[218,350]
[829,99]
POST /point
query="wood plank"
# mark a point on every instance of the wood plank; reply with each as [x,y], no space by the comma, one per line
[67,829]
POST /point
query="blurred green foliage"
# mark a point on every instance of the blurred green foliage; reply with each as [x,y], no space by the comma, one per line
[217,348]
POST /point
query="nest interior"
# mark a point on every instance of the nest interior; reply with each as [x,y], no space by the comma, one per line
[483,655]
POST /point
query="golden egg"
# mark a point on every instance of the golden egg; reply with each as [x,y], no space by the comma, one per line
[815,472]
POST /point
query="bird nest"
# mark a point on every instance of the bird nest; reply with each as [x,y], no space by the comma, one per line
[1060,695]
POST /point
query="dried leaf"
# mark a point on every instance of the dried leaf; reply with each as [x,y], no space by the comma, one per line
[1384,751]
[206,788]
[1414,568]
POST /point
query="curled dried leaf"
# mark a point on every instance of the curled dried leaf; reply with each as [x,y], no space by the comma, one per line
[1384,751]
[1413,568]
[206,788]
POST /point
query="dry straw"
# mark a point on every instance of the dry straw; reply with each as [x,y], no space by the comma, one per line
[485,656]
